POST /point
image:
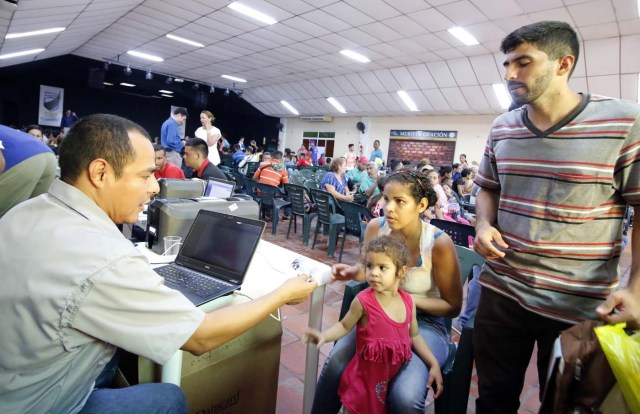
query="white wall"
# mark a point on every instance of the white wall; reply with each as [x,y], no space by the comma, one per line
[472,131]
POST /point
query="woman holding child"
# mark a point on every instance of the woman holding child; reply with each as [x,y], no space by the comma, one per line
[432,280]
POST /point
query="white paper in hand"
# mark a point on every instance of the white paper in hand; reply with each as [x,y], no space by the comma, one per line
[320,274]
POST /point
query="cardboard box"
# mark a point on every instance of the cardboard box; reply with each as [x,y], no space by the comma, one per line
[238,377]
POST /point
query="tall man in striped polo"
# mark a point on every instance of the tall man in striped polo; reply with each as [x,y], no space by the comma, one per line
[555,180]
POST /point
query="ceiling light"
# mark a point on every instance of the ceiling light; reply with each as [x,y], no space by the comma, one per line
[127,70]
[107,83]
[195,86]
[34,33]
[355,56]
[23,53]
[233,78]
[227,92]
[212,89]
[253,13]
[463,36]
[106,66]
[143,55]
[130,85]
[502,94]
[183,40]
[408,101]
[336,105]
[169,80]
[149,75]
[290,108]
[164,91]
[168,96]
[179,80]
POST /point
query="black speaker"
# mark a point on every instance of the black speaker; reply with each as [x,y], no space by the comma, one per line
[360,126]
[201,99]
[96,78]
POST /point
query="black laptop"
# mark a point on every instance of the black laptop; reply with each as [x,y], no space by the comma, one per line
[214,257]
[219,188]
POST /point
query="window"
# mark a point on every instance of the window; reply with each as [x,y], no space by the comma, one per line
[324,141]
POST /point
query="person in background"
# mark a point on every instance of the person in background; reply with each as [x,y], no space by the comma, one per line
[376,153]
[241,143]
[549,228]
[68,119]
[356,175]
[170,136]
[29,168]
[211,135]
[36,131]
[463,185]
[249,156]
[165,169]
[322,160]
[446,173]
[238,155]
[369,185]
[456,172]
[314,151]
[272,171]
[387,331]
[463,161]
[433,280]
[335,181]
[351,157]
[253,145]
[305,160]
[302,151]
[196,157]
[90,291]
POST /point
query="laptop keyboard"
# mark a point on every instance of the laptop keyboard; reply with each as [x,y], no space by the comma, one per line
[198,284]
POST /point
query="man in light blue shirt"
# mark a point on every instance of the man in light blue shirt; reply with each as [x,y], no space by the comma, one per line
[377,152]
[170,136]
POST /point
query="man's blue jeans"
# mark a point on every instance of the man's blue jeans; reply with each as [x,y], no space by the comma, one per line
[143,398]
[407,392]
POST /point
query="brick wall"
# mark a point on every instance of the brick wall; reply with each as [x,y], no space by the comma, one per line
[438,152]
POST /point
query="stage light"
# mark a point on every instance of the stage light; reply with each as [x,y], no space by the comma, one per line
[149,75]
[227,92]
[212,89]
[169,80]
[127,71]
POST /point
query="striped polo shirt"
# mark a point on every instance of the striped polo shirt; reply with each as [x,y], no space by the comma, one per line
[563,194]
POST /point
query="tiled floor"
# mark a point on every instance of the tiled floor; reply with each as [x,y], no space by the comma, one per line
[292,358]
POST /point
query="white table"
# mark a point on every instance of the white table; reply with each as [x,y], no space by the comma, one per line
[269,268]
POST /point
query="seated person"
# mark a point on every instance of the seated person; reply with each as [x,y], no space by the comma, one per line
[89,291]
[30,167]
[249,156]
[238,155]
[369,185]
[196,153]
[273,171]
[165,169]
[454,212]
[376,202]
[335,181]
[304,160]
[463,185]
[356,175]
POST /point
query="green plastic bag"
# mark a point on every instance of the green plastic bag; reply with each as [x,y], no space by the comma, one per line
[623,353]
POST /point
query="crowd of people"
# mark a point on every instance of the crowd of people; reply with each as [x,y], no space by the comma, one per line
[551,235]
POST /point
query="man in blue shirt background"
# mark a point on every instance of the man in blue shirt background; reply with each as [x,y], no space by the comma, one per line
[377,152]
[170,137]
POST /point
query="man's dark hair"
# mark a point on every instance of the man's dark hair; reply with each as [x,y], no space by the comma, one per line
[199,145]
[455,165]
[97,136]
[465,172]
[249,150]
[276,155]
[158,147]
[30,127]
[350,145]
[445,169]
[556,39]
[180,111]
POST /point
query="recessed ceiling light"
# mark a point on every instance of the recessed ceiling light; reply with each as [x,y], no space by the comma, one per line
[23,53]
[179,80]
[337,105]
[463,36]
[107,83]
[355,56]
[290,108]
[408,101]
[253,13]
[145,56]
[168,96]
[130,85]
[34,33]
[164,91]
[233,78]
[502,94]
[183,40]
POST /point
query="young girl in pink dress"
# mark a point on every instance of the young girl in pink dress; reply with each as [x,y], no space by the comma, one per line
[387,330]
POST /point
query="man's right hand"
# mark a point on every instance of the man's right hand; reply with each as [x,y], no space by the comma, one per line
[298,289]
[487,241]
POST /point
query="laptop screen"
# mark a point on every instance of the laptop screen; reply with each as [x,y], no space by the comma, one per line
[221,243]
[219,188]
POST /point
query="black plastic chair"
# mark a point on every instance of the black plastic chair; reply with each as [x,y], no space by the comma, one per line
[271,199]
[307,173]
[252,167]
[326,215]
[312,184]
[461,234]
[297,195]
[356,217]
[251,189]
[297,179]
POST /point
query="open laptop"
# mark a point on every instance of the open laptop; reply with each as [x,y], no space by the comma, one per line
[214,257]
[219,188]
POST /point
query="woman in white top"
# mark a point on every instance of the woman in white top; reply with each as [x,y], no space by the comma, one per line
[433,281]
[210,134]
